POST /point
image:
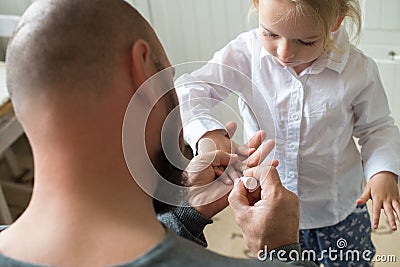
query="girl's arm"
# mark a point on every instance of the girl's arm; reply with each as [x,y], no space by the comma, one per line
[380,148]
[201,90]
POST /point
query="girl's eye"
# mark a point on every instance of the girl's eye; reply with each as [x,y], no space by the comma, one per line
[307,43]
[270,35]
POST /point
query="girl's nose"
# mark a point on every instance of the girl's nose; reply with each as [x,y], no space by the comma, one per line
[284,50]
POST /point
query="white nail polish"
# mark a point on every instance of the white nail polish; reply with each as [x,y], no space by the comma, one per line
[250,183]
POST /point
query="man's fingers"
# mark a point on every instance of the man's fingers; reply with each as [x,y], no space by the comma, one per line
[274,163]
[206,194]
[215,158]
[270,178]
[238,197]
[266,174]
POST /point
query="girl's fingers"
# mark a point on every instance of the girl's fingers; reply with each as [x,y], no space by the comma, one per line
[225,179]
[240,166]
[376,213]
[387,207]
[232,173]
[242,150]
[261,153]
[396,207]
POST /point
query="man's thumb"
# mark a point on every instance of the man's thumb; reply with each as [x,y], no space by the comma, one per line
[238,197]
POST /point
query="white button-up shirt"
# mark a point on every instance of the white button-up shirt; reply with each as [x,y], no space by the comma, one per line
[312,116]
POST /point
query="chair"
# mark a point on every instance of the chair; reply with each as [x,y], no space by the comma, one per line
[10,129]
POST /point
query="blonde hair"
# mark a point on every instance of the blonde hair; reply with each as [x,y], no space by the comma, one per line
[326,14]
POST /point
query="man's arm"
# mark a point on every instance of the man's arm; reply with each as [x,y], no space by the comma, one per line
[186,222]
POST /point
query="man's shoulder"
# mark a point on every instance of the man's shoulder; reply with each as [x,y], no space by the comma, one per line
[173,250]
[177,251]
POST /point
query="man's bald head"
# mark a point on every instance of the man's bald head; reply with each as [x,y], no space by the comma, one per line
[61,46]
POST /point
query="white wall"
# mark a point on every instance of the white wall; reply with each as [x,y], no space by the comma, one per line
[11,7]
[381,35]
[195,29]
[381,22]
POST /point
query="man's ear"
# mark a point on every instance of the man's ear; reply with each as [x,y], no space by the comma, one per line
[337,25]
[142,65]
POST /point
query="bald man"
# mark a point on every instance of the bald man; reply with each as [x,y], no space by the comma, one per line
[72,68]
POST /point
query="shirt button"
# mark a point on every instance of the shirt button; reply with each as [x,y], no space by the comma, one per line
[292,174]
[292,146]
[295,117]
[298,84]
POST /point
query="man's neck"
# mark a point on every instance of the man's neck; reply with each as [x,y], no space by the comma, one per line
[87,206]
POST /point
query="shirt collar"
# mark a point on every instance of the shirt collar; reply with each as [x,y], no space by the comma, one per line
[335,59]
[338,55]
[263,54]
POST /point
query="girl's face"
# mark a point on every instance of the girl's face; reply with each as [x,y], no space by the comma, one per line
[294,42]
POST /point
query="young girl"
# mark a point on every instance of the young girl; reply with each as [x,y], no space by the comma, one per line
[323,92]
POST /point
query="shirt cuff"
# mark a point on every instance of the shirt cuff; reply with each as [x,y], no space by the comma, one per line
[371,169]
[195,129]
[192,219]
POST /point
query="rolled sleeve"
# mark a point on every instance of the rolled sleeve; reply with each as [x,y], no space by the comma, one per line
[379,137]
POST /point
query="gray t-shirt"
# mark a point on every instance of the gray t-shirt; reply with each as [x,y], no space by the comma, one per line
[176,251]
[185,249]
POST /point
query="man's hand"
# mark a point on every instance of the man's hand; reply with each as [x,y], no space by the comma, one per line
[208,195]
[273,220]
[382,189]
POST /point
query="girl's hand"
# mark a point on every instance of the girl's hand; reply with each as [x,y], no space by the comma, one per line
[382,189]
[250,154]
